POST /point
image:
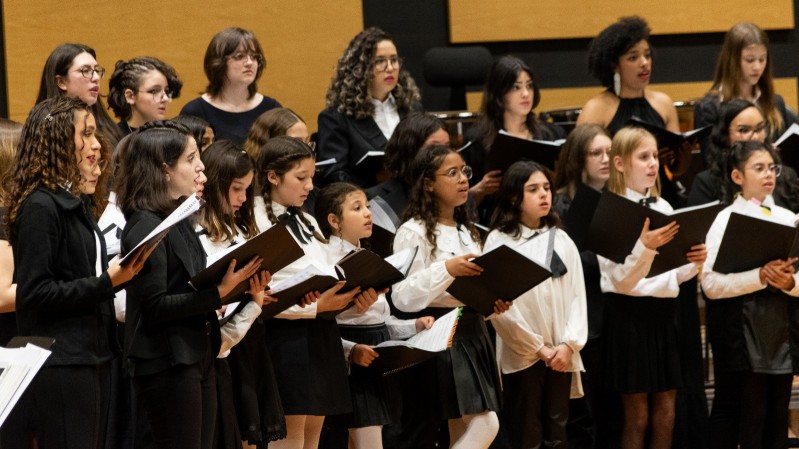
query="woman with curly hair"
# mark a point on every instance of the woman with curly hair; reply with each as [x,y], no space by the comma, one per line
[369,95]
[65,288]
[234,62]
[140,89]
[72,70]
[743,70]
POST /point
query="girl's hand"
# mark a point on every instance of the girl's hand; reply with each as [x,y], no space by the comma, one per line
[268,298]
[779,274]
[501,306]
[234,277]
[120,274]
[698,254]
[546,354]
[659,237]
[309,298]
[487,186]
[462,266]
[332,300]
[561,358]
[258,284]
[363,355]
[423,323]
[366,298]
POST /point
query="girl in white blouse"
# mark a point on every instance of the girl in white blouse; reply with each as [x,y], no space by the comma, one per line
[642,359]
[437,221]
[539,339]
[306,350]
[752,319]
[343,216]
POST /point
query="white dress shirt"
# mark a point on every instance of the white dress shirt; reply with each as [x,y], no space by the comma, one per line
[386,115]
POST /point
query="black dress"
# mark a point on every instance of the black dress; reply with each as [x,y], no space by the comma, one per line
[232,126]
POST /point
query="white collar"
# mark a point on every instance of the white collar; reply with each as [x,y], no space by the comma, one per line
[389,101]
[344,244]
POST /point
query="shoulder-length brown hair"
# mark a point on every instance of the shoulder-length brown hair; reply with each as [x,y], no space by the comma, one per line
[222,45]
[625,142]
[571,160]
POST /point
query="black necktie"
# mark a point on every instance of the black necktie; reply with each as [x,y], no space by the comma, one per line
[291,220]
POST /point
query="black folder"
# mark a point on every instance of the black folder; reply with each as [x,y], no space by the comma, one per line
[506,275]
[618,221]
[506,150]
[578,219]
[381,241]
[788,143]
[669,139]
[275,246]
[750,242]
[292,295]
[395,358]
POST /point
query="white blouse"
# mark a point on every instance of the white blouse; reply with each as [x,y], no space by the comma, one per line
[550,314]
[378,313]
[386,115]
[721,286]
[428,279]
[315,251]
[629,278]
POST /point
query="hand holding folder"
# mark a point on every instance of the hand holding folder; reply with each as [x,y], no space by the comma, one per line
[750,242]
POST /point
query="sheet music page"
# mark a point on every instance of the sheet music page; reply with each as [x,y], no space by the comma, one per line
[191,205]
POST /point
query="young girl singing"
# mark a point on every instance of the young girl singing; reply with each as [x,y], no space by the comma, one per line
[438,223]
[343,215]
[752,319]
[642,359]
[309,361]
[540,338]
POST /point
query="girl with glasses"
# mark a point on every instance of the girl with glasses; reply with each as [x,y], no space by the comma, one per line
[436,221]
[368,96]
[140,89]
[234,62]
[752,324]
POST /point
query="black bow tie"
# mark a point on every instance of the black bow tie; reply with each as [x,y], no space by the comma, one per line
[648,201]
[556,265]
[291,220]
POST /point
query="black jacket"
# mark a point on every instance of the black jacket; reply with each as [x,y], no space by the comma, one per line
[168,323]
[59,294]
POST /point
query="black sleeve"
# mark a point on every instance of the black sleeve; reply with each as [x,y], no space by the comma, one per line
[334,143]
[706,113]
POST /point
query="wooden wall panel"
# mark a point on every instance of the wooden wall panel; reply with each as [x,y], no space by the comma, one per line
[521,20]
[302,42]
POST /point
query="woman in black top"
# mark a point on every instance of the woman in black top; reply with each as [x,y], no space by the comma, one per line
[64,290]
[171,333]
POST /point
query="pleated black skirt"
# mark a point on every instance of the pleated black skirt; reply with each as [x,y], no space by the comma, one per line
[255,390]
[372,400]
[467,373]
[642,353]
[309,364]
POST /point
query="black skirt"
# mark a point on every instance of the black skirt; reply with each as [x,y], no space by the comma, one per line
[255,390]
[226,435]
[372,400]
[309,366]
[642,352]
[467,373]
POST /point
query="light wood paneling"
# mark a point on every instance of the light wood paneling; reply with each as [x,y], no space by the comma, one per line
[520,20]
[577,96]
[302,42]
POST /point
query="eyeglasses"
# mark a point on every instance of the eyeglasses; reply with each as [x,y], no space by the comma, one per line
[762,170]
[598,153]
[381,64]
[159,93]
[453,173]
[749,131]
[88,72]
[241,56]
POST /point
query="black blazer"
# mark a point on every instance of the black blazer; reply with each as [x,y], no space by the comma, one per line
[394,192]
[59,294]
[168,322]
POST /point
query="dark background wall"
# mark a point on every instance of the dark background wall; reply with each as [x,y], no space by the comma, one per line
[418,25]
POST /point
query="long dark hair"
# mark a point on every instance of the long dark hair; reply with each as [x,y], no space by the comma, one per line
[225,161]
[507,210]
[58,64]
[329,201]
[143,186]
[501,77]
[406,141]
[279,155]
[423,205]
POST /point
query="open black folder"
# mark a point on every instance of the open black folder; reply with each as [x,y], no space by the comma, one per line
[788,143]
[507,149]
[506,274]
[361,268]
[275,246]
[750,242]
[618,221]
[669,139]
[578,219]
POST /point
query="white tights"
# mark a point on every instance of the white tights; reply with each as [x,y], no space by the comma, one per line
[473,431]
[303,432]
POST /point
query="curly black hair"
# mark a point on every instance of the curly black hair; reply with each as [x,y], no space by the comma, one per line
[613,42]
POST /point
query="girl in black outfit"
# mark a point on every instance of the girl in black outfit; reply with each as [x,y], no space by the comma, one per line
[64,290]
[172,335]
